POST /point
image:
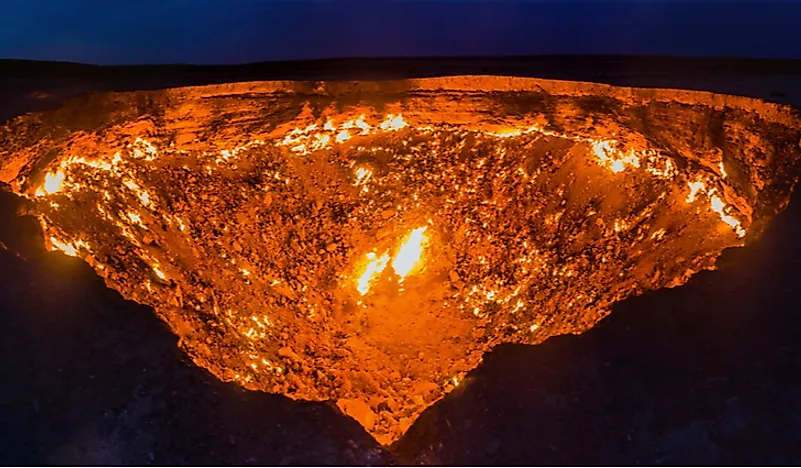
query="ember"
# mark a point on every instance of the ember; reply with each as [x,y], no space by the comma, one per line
[370,250]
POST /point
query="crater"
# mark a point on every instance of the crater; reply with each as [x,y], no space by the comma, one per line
[366,243]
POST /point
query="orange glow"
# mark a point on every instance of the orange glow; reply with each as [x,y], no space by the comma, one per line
[718,206]
[362,175]
[393,122]
[64,247]
[507,133]
[695,187]
[53,183]
[612,159]
[158,272]
[342,136]
[375,265]
[362,125]
[293,241]
[409,256]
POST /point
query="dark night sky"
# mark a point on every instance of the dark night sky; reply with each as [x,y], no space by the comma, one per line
[235,31]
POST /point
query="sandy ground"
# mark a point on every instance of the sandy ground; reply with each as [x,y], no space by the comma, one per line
[705,373]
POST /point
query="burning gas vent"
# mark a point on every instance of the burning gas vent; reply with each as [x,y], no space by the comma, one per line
[367,243]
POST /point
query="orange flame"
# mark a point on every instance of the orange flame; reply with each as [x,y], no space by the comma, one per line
[374,268]
[410,253]
[53,183]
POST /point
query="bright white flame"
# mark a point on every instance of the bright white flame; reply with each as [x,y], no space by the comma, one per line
[717,206]
[64,247]
[695,187]
[53,183]
[612,158]
[374,268]
[410,252]
[393,122]
[363,175]
[342,136]
[158,272]
[361,124]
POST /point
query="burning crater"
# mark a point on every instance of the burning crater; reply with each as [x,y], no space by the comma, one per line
[366,243]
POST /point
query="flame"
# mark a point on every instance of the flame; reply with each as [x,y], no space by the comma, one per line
[53,183]
[148,151]
[158,272]
[715,204]
[143,195]
[507,133]
[695,187]
[315,138]
[718,206]
[393,122]
[374,268]
[406,260]
[612,158]
[410,253]
[342,136]
[363,175]
[68,249]
[361,124]
[113,188]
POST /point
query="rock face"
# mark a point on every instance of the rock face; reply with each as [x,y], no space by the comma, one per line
[368,242]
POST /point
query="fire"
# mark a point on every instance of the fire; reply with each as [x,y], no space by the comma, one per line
[613,159]
[410,253]
[715,204]
[488,268]
[718,206]
[53,183]
[144,149]
[507,133]
[315,137]
[68,249]
[362,176]
[406,260]
[374,268]
[342,136]
[695,187]
[360,124]
[393,122]
[158,272]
